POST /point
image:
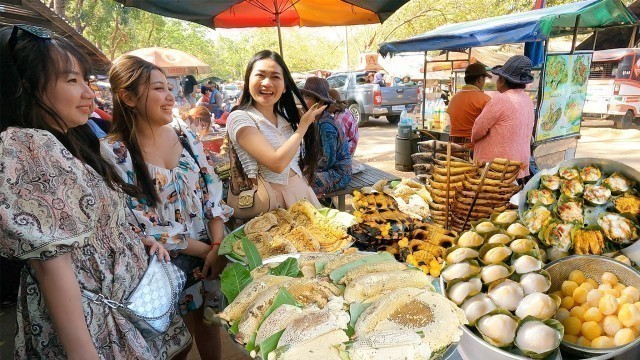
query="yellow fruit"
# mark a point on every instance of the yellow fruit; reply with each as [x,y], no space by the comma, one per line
[593,283]
[403,243]
[568,287]
[435,271]
[424,268]
[609,278]
[570,338]
[593,297]
[612,292]
[604,287]
[558,293]
[580,295]
[611,325]
[567,302]
[629,315]
[587,285]
[619,287]
[577,277]
[631,292]
[562,314]
[593,314]
[637,304]
[624,336]
[608,304]
[623,299]
[582,341]
[591,330]
[572,325]
[578,312]
[602,342]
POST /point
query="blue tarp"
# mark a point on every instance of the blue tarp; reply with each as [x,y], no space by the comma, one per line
[535,25]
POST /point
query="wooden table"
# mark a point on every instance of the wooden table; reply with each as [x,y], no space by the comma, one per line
[367,177]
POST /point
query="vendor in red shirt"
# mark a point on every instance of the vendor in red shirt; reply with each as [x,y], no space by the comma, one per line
[467,104]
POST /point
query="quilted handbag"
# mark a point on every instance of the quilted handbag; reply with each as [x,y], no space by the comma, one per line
[151,305]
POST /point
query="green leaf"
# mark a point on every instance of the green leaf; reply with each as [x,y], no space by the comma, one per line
[234,328]
[251,251]
[283,297]
[226,247]
[233,279]
[288,267]
[340,272]
[355,310]
[270,344]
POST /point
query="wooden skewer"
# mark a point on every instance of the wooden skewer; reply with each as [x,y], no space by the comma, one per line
[446,219]
[475,196]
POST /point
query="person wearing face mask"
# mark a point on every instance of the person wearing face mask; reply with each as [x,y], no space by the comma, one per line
[467,104]
[269,135]
[181,202]
[505,126]
[334,167]
[62,212]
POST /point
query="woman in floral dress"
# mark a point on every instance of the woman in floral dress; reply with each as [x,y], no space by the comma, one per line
[182,196]
[62,210]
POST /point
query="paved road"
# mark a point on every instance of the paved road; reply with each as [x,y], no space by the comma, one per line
[377,145]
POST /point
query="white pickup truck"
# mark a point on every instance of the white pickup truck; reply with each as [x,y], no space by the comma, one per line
[373,100]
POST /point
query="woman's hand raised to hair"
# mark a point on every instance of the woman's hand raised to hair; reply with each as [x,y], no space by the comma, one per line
[311,115]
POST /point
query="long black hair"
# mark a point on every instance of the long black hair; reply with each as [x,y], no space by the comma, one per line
[287,108]
[29,64]
[133,75]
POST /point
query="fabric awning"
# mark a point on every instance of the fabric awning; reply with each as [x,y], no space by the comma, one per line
[535,25]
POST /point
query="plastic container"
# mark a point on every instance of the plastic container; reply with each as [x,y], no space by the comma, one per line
[405,126]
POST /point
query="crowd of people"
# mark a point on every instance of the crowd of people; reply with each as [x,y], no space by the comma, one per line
[90,196]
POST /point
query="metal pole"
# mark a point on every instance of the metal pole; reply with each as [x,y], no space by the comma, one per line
[541,87]
[632,41]
[346,47]
[424,88]
[595,39]
[575,34]
[279,33]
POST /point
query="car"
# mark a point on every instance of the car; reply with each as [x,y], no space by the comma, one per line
[230,91]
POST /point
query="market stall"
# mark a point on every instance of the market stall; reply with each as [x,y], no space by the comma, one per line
[561,89]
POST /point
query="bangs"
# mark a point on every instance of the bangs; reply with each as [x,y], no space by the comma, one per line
[63,55]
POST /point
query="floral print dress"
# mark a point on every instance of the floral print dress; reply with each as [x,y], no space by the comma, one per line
[52,204]
[190,195]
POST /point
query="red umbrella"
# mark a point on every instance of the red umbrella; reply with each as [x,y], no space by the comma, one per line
[268,13]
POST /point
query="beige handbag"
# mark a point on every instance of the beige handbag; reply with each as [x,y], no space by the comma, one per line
[247,198]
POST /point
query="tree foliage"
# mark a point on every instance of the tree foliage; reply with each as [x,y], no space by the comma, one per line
[116,30]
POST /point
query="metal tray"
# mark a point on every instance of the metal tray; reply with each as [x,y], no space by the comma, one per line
[591,212]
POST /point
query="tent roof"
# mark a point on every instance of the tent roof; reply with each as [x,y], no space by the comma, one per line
[528,26]
[34,12]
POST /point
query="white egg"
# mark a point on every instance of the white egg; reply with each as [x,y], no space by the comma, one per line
[459,271]
[537,337]
[477,306]
[507,294]
[507,217]
[497,254]
[517,230]
[538,305]
[499,327]
[459,291]
[534,282]
[526,264]
[491,273]
[470,239]
[485,227]
[461,254]
[499,239]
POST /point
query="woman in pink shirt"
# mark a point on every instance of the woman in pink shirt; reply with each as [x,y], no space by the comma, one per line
[505,126]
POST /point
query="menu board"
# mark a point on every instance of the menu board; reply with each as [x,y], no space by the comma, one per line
[564,94]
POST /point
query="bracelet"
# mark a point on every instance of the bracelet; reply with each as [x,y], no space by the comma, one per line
[215,243]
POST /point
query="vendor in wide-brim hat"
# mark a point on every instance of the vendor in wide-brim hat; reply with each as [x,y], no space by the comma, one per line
[505,126]
[334,167]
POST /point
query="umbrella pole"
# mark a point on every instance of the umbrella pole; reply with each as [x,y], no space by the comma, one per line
[279,34]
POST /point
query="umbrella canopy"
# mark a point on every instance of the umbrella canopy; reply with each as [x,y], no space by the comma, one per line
[268,13]
[535,25]
[174,62]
